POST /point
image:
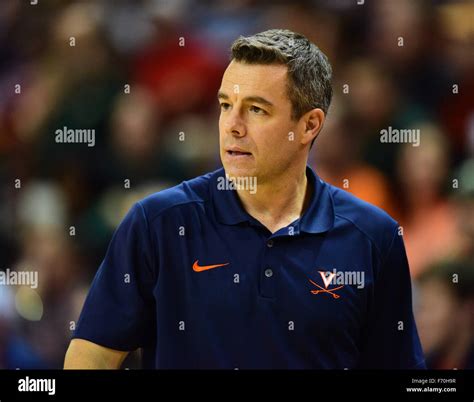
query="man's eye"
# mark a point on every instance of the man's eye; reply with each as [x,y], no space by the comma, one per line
[257,110]
[224,106]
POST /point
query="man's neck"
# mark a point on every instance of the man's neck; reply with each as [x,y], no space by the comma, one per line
[279,202]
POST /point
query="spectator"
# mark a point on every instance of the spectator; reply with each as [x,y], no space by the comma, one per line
[445,315]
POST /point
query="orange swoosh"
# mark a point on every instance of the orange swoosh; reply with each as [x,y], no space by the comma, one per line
[200,268]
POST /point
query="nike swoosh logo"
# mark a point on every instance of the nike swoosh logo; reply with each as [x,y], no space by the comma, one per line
[200,268]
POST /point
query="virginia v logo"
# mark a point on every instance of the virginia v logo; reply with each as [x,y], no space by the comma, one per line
[327,279]
[341,278]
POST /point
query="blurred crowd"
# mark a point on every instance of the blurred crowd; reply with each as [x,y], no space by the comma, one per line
[144,76]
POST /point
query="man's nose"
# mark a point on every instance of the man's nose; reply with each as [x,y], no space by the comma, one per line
[235,124]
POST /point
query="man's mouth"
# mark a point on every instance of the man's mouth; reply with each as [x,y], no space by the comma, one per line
[238,153]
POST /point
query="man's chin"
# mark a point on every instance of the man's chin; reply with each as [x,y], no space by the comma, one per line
[239,171]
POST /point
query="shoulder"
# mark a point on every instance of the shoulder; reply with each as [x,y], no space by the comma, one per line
[373,222]
[184,195]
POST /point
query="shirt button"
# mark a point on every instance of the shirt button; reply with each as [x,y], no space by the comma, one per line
[270,243]
[268,273]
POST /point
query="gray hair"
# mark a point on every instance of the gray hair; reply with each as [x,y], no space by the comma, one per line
[309,71]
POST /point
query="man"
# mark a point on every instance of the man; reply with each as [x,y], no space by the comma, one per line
[289,272]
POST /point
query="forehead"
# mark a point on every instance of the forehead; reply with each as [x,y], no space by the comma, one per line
[268,81]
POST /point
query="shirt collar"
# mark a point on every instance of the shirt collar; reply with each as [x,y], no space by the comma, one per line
[318,218]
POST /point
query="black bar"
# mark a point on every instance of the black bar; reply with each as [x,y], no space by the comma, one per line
[159,385]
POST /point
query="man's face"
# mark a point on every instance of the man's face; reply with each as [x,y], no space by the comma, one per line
[257,135]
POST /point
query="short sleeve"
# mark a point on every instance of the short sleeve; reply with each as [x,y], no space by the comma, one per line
[391,340]
[119,309]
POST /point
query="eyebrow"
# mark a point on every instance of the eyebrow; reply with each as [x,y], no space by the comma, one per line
[257,99]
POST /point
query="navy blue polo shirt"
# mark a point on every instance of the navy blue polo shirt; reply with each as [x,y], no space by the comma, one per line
[194,280]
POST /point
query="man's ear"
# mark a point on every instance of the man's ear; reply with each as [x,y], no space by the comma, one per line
[313,120]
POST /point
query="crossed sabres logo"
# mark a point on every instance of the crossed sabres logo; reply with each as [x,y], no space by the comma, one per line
[327,281]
